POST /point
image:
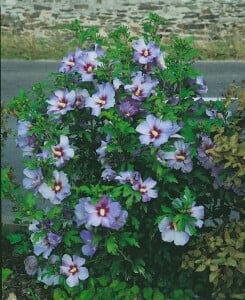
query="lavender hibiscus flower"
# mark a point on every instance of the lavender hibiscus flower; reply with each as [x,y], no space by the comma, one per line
[59,190]
[89,248]
[45,245]
[80,98]
[104,213]
[180,158]
[205,155]
[80,213]
[68,63]
[33,179]
[145,188]
[61,101]
[108,174]
[156,131]
[145,54]
[128,177]
[142,86]
[62,152]
[72,267]
[129,107]
[103,99]
[170,233]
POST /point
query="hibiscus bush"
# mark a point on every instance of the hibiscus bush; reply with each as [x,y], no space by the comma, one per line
[124,168]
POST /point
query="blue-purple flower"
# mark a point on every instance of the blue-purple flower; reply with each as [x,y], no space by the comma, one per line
[80,98]
[180,158]
[61,101]
[145,54]
[170,233]
[128,177]
[108,174]
[129,107]
[23,128]
[104,213]
[58,191]
[198,84]
[31,264]
[103,99]
[205,152]
[146,188]
[45,245]
[62,152]
[68,62]
[27,144]
[33,178]
[156,131]
[80,212]
[72,267]
[88,248]
[142,86]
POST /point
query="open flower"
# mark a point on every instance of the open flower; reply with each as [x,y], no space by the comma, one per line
[103,99]
[142,86]
[128,177]
[145,188]
[180,158]
[145,54]
[61,101]
[80,98]
[69,62]
[129,107]
[46,245]
[62,152]
[33,179]
[80,213]
[170,233]
[59,190]
[72,267]
[104,213]
[156,131]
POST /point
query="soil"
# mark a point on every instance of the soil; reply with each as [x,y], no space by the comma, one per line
[20,286]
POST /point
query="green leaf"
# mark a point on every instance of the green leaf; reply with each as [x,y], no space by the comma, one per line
[158,295]
[147,292]
[103,280]
[111,245]
[6,272]
[71,237]
[59,294]
[15,238]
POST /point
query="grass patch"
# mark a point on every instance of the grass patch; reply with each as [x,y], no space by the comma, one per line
[58,44]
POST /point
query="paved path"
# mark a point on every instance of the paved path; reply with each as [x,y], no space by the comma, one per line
[23,74]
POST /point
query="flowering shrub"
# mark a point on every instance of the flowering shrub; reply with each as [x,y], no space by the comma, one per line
[122,154]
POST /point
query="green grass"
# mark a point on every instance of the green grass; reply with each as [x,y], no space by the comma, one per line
[58,45]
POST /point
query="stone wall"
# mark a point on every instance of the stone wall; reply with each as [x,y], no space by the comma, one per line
[204,18]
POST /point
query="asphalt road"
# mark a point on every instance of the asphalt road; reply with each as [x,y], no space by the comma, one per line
[17,74]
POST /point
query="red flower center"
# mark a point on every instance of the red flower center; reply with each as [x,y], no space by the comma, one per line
[155,133]
[57,187]
[89,68]
[58,152]
[73,269]
[146,52]
[62,103]
[101,101]
[138,92]
[102,210]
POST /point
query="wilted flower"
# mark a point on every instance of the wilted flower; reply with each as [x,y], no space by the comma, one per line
[39,225]
[170,233]
[156,131]
[62,152]
[129,107]
[103,99]
[180,158]
[198,84]
[89,248]
[59,190]
[108,174]
[26,144]
[61,101]
[128,177]
[142,86]
[72,268]
[33,178]
[205,152]
[45,245]
[145,188]
[31,264]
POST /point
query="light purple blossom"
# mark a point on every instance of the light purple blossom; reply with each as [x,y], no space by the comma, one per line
[128,177]
[170,233]
[72,267]
[142,86]
[128,107]
[104,213]
[180,158]
[117,83]
[89,248]
[23,127]
[80,212]
[120,220]
[39,225]
[33,179]
[46,278]
[45,245]
[44,155]
[108,174]
[145,188]
[156,131]
[198,84]
[80,98]
[61,101]
[62,152]
[198,213]
[68,63]
[27,144]
[205,155]
[87,64]
[31,264]
[59,190]
[103,99]
[145,54]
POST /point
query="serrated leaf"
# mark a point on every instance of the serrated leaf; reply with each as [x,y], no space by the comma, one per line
[111,245]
